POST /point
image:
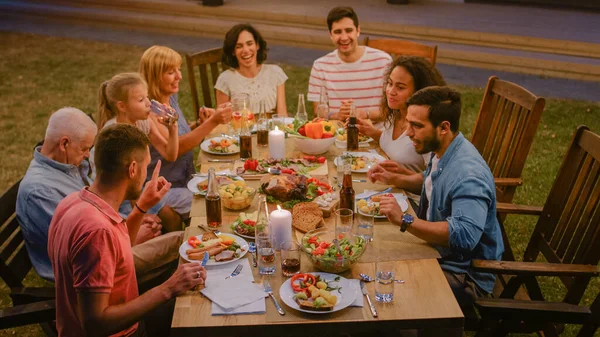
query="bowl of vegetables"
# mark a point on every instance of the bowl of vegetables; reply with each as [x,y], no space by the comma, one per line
[236,196]
[318,244]
[315,137]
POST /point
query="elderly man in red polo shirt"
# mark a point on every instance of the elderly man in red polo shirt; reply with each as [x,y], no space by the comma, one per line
[90,244]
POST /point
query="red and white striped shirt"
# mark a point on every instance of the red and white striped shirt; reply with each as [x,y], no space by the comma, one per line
[361,81]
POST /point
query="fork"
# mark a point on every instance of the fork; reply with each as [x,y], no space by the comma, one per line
[204,227]
[236,271]
[269,291]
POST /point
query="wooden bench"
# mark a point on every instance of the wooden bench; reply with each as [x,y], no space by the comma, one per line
[30,305]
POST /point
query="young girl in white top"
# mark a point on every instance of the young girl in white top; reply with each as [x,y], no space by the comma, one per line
[406,75]
[244,51]
[124,99]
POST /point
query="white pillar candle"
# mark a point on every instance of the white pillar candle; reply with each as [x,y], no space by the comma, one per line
[276,144]
[281,225]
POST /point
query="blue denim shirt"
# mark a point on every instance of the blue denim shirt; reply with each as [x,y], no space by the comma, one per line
[45,184]
[464,194]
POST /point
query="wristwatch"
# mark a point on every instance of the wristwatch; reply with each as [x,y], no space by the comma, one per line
[407,220]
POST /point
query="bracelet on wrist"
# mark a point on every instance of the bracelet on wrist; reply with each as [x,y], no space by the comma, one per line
[140,209]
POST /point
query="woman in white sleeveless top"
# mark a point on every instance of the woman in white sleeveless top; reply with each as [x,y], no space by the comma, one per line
[244,51]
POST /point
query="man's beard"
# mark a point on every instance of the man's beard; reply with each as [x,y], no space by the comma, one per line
[134,190]
[430,144]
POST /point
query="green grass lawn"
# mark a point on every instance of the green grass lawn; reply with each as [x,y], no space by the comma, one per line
[39,75]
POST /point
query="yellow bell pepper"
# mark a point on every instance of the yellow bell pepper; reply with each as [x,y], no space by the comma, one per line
[328,127]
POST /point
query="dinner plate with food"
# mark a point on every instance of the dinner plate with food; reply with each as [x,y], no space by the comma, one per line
[317,293]
[221,145]
[361,161]
[222,249]
[244,225]
[371,204]
[305,165]
[199,183]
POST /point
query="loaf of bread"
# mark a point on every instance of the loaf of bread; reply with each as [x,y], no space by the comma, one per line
[307,216]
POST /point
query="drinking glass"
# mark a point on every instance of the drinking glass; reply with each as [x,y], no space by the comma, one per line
[239,104]
[384,279]
[276,120]
[364,226]
[266,254]
[343,222]
[290,258]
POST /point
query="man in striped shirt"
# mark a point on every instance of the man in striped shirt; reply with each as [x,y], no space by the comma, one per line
[351,73]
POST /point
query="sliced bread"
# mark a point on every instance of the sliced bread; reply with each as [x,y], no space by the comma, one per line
[306,216]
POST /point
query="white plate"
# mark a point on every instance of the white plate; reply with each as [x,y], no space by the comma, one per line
[346,296]
[211,262]
[400,198]
[193,184]
[243,235]
[206,143]
[369,155]
[343,142]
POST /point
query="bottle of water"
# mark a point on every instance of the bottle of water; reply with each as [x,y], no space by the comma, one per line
[323,107]
[301,115]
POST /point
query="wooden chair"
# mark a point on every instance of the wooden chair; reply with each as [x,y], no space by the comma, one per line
[566,235]
[30,305]
[403,47]
[504,131]
[209,58]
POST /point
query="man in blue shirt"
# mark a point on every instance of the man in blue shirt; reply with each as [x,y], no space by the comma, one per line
[59,168]
[457,212]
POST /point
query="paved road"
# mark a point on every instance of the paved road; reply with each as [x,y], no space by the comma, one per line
[547,87]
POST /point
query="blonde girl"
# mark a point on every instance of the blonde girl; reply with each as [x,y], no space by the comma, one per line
[124,99]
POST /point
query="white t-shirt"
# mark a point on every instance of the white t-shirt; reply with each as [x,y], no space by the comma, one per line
[361,80]
[262,87]
[429,184]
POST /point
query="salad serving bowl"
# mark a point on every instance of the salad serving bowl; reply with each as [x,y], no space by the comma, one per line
[318,244]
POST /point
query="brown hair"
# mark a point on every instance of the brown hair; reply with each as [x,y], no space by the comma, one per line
[114,90]
[231,40]
[424,75]
[155,61]
[443,102]
[116,147]
[338,13]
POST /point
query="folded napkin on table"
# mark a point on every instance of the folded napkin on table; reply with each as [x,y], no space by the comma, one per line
[236,295]
[355,284]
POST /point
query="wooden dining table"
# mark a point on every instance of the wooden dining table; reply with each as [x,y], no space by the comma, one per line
[424,300]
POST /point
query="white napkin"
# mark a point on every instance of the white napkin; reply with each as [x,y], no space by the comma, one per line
[236,295]
[358,302]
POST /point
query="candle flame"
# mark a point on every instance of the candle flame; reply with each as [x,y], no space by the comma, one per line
[278,208]
[276,128]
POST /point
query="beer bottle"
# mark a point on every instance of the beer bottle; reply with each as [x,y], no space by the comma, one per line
[262,134]
[301,115]
[347,192]
[352,130]
[245,137]
[213,201]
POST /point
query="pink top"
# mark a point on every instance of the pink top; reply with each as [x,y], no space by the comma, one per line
[90,251]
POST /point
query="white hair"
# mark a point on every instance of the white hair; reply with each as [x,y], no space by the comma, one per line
[69,122]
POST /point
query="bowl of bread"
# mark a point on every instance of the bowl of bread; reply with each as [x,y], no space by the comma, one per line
[320,247]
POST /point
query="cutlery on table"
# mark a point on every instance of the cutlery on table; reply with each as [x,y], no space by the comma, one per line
[389,189]
[252,250]
[205,259]
[273,170]
[205,228]
[368,278]
[359,180]
[236,271]
[269,291]
[221,160]
[228,136]
[364,291]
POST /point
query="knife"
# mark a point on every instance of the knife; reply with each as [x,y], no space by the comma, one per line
[359,180]
[205,259]
[364,291]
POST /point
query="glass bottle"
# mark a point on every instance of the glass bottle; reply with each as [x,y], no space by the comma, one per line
[352,130]
[264,239]
[262,132]
[245,138]
[323,107]
[213,201]
[301,115]
[347,191]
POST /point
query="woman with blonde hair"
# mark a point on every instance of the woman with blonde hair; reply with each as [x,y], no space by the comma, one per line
[160,67]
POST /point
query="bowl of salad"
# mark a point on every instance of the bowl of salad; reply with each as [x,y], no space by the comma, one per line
[319,246]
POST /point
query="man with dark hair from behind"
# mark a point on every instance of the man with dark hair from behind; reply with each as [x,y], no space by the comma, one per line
[89,244]
[457,212]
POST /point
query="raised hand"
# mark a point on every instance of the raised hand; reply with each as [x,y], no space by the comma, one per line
[223,113]
[205,113]
[149,229]
[389,207]
[395,167]
[186,277]
[344,112]
[378,173]
[154,190]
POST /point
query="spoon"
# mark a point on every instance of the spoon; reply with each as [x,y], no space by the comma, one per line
[368,278]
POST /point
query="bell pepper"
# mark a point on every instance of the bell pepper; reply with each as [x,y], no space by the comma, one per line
[302,131]
[327,135]
[194,241]
[251,165]
[328,127]
[314,130]
[321,160]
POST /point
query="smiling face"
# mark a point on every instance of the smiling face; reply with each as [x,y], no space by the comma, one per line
[400,86]
[169,81]
[137,106]
[246,50]
[344,36]
[422,133]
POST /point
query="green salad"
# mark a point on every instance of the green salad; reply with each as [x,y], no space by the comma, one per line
[318,247]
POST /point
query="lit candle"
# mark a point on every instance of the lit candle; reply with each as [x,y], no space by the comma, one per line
[281,225]
[277,144]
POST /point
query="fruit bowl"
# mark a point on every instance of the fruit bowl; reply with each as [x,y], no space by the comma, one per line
[236,196]
[326,258]
[314,146]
